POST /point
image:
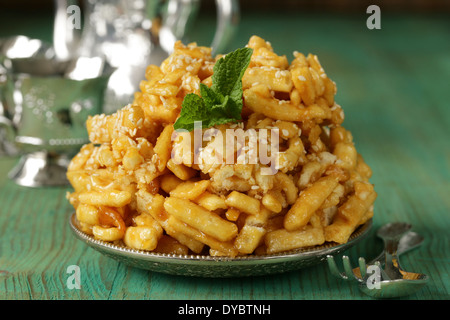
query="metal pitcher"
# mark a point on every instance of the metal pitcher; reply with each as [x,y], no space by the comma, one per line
[44,103]
[132,34]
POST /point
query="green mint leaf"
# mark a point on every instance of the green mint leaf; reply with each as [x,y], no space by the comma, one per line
[192,109]
[223,110]
[222,103]
[210,97]
[228,73]
[229,109]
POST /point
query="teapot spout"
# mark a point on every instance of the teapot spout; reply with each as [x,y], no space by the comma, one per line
[7,137]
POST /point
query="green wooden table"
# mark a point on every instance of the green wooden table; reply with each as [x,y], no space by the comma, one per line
[394,86]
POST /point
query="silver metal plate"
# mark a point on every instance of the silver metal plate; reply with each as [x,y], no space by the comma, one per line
[221,267]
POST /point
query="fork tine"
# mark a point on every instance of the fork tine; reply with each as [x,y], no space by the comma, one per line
[348,269]
[362,267]
[334,269]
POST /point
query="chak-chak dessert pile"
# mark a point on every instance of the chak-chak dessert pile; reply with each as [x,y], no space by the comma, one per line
[269,169]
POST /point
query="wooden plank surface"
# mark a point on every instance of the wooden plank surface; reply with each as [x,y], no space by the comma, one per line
[393,84]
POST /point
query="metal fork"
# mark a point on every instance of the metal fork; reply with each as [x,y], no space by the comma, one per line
[408,242]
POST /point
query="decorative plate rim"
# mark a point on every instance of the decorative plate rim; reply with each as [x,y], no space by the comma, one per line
[326,248]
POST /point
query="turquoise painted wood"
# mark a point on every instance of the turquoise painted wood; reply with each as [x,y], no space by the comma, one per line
[394,86]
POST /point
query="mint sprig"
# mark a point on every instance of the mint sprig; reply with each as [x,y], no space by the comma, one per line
[222,103]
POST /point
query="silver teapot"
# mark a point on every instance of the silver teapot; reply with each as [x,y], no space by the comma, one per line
[131,34]
[48,90]
[44,104]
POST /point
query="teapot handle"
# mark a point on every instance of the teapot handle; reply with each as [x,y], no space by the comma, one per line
[175,21]
[228,15]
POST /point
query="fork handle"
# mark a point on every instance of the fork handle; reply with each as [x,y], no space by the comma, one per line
[392,264]
[409,241]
